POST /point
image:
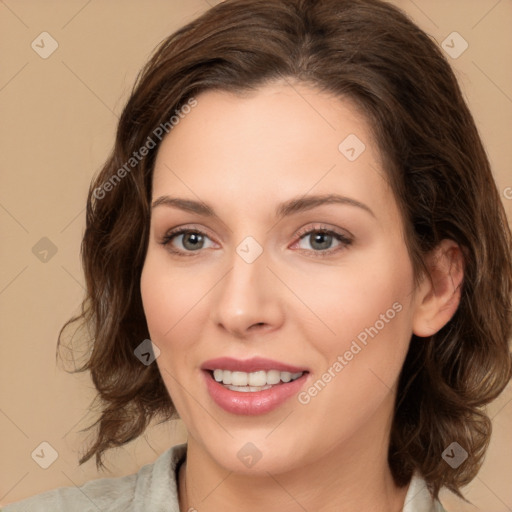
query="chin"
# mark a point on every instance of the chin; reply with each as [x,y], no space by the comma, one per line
[258,456]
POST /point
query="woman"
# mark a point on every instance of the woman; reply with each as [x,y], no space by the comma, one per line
[303,221]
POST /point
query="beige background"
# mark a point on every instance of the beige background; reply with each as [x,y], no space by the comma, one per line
[58,120]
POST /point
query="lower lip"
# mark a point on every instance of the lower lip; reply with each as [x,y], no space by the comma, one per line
[252,403]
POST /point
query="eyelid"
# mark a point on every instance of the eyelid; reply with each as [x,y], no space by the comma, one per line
[319,226]
[187,227]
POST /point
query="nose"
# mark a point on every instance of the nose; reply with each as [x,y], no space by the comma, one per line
[248,301]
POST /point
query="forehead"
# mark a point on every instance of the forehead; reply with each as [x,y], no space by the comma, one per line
[278,141]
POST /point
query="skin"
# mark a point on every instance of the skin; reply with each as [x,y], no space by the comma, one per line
[290,304]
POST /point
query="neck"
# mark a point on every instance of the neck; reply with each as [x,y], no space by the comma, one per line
[289,493]
[353,476]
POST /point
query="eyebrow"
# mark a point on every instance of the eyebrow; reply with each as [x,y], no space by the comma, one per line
[290,207]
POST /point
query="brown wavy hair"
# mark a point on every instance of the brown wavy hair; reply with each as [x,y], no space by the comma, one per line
[369,52]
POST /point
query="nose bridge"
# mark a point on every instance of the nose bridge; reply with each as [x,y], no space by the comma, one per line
[245,296]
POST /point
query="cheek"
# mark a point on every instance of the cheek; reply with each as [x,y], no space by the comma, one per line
[172,304]
[368,296]
[367,305]
[170,296]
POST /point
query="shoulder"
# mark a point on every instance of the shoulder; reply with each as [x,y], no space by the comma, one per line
[419,499]
[153,488]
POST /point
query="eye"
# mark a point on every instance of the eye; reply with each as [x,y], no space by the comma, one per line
[322,241]
[183,240]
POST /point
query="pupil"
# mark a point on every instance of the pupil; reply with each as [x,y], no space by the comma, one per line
[322,241]
[193,240]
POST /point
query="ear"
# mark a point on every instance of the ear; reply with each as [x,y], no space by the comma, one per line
[438,297]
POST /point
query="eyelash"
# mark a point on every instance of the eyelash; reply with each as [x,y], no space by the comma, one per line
[343,239]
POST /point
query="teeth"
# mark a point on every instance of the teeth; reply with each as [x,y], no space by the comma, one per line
[286,376]
[238,379]
[257,380]
[273,377]
[245,389]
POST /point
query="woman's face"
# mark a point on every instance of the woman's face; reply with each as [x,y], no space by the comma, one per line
[293,262]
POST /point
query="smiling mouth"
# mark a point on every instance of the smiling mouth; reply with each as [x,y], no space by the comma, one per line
[252,386]
[253,381]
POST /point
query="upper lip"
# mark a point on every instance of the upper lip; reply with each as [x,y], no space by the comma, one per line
[249,365]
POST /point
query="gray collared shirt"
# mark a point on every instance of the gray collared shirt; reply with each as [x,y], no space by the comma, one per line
[154,488]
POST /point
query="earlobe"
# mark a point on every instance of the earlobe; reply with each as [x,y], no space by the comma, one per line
[438,297]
